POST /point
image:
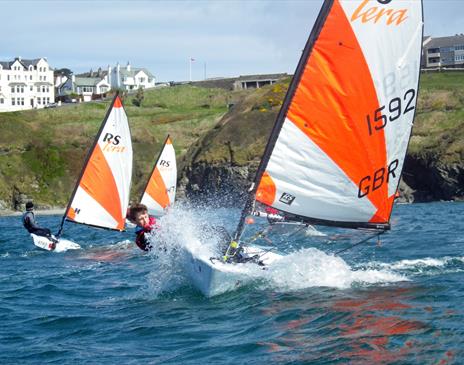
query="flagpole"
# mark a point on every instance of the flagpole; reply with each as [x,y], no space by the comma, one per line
[190,69]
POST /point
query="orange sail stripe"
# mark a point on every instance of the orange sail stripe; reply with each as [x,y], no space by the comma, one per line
[157,189]
[168,141]
[266,190]
[117,102]
[98,181]
[71,214]
[330,105]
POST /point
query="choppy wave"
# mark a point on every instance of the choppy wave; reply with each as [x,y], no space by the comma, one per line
[423,266]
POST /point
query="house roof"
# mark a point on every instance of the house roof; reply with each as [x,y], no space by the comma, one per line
[261,77]
[134,72]
[87,81]
[455,40]
[26,63]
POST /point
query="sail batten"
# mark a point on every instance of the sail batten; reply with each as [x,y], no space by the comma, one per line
[160,190]
[101,195]
[336,152]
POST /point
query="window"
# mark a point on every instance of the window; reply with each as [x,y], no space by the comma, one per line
[38,89]
[8,77]
[12,89]
[1,101]
[30,77]
[459,58]
[32,88]
[459,47]
[22,101]
[39,101]
[13,101]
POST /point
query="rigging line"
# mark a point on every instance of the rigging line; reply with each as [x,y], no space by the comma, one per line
[360,242]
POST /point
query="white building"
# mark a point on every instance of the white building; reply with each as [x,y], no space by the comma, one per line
[88,88]
[130,78]
[25,84]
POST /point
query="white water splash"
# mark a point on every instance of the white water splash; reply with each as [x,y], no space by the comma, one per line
[426,265]
[313,268]
[182,228]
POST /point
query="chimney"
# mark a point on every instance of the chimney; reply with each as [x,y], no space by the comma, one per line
[128,67]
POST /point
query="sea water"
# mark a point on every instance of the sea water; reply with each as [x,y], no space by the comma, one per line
[393,301]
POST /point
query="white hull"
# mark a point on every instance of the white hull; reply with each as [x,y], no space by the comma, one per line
[213,277]
[62,245]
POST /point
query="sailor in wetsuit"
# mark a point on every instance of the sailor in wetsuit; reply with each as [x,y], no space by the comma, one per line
[138,214]
[31,225]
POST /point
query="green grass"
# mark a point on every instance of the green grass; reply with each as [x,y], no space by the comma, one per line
[439,124]
[42,151]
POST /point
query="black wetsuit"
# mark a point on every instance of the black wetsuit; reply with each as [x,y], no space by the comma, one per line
[31,225]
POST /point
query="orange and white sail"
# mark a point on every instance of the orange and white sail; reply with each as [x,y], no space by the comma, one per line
[160,191]
[101,195]
[336,153]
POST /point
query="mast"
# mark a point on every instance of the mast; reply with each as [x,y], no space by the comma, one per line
[337,148]
[160,189]
[154,167]
[87,158]
[102,190]
[281,116]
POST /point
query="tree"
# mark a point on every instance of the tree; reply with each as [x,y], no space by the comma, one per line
[63,71]
[138,98]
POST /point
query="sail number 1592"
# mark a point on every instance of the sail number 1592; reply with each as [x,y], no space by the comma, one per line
[397,106]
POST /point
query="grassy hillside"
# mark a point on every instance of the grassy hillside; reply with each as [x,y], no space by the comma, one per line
[242,134]
[434,169]
[439,124]
[438,129]
[42,151]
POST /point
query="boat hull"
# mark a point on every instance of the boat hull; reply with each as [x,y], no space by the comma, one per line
[45,244]
[213,277]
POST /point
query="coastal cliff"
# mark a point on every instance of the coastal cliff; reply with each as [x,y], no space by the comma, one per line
[219,136]
[225,159]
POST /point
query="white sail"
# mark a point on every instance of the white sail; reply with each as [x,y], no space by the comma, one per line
[101,196]
[336,153]
[160,191]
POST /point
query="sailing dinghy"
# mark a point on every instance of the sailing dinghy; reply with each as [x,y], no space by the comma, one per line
[61,246]
[336,151]
[101,195]
[160,191]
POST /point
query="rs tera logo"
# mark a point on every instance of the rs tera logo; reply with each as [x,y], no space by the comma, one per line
[367,13]
[109,138]
[164,163]
[112,143]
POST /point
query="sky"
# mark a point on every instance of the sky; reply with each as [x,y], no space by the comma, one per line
[227,38]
